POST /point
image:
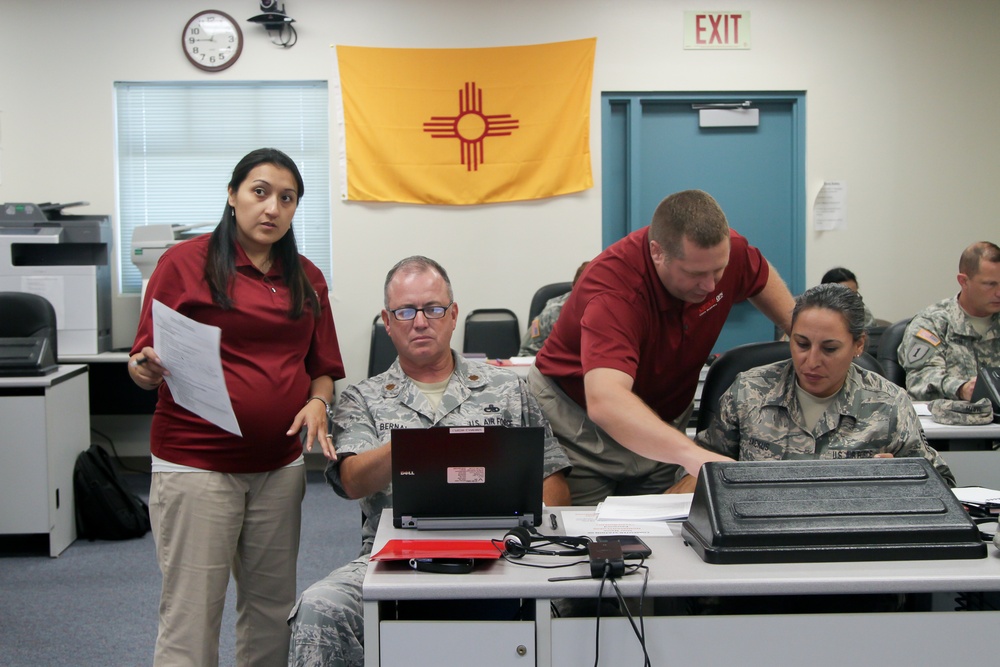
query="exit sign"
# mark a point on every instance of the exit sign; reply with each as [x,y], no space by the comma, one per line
[716,30]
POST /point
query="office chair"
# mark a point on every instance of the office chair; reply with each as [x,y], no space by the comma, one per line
[381,352]
[543,294]
[874,338]
[723,371]
[28,317]
[888,348]
[494,332]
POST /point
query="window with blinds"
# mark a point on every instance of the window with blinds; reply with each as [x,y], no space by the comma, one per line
[177,144]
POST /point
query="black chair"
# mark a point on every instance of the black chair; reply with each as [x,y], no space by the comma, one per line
[494,332]
[382,352]
[723,371]
[888,348]
[544,293]
[28,329]
[874,338]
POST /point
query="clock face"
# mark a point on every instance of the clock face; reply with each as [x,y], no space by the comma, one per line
[212,40]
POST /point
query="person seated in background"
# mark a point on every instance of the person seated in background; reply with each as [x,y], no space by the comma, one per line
[946,343]
[428,385]
[819,404]
[541,326]
[846,277]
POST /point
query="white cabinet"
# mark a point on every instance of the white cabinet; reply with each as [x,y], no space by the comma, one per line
[44,425]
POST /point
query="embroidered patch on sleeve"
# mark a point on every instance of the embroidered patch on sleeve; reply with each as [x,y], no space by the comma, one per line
[536,330]
[918,352]
[925,335]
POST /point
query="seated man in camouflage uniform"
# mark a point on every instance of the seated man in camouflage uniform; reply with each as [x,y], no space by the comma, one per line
[945,344]
[819,404]
[428,385]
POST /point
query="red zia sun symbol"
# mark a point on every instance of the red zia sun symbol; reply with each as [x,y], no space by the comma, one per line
[471,126]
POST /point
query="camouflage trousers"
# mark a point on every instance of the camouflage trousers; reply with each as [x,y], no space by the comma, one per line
[328,621]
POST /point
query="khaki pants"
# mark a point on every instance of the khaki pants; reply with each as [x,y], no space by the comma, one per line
[601,466]
[208,525]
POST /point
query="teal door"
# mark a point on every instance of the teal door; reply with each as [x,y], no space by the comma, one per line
[652,145]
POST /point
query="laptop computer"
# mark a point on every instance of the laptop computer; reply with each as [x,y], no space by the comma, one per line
[988,386]
[468,477]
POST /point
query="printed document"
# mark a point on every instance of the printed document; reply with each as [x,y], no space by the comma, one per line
[190,351]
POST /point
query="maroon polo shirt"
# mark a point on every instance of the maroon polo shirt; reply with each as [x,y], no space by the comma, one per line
[268,359]
[619,315]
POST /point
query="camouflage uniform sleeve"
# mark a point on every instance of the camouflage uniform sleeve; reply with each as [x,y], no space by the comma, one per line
[927,374]
[532,341]
[723,434]
[911,439]
[541,326]
[353,432]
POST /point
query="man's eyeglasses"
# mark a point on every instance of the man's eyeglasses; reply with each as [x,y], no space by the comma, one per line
[430,312]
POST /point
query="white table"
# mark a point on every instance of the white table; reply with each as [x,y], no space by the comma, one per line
[962,448]
[45,425]
[934,637]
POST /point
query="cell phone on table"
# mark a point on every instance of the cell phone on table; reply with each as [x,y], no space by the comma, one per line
[632,546]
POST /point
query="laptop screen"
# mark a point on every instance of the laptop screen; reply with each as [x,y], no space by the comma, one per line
[467,477]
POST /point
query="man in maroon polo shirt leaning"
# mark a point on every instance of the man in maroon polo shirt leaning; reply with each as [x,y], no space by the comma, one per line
[617,376]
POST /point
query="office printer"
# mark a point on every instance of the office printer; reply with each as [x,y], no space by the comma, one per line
[149,242]
[66,259]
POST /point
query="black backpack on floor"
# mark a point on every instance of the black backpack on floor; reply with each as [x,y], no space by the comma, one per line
[105,507]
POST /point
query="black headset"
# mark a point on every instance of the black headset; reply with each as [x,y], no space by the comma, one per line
[520,541]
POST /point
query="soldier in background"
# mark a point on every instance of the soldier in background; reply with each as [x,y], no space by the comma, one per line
[946,343]
[846,277]
[819,404]
[541,326]
[428,385]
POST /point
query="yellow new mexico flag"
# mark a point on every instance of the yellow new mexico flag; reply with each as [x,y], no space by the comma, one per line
[465,126]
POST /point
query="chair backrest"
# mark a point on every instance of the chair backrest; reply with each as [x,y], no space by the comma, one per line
[26,315]
[544,293]
[382,352]
[723,372]
[494,332]
[888,348]
[874,338]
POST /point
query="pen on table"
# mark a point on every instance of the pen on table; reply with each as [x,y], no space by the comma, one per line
[552,520]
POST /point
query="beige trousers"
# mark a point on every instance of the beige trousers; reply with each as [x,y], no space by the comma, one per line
[208,525]
[601,466]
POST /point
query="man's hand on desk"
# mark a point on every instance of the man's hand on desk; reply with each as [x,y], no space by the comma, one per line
[686,484]
[965,391]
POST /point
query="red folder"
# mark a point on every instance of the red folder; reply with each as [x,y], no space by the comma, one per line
[407,549]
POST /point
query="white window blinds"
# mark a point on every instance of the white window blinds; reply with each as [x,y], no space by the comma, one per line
[178,143]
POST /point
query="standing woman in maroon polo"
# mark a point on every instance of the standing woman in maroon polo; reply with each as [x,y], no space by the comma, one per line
[221,503]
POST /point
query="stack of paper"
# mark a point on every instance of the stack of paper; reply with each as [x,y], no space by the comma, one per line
[979,500]
[659,507]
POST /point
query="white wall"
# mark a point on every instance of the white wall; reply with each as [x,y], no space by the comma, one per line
[901,100]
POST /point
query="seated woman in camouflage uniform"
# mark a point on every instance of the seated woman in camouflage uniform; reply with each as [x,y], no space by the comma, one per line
[818,404]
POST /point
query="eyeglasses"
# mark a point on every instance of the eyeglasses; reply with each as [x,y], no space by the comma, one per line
[430,312]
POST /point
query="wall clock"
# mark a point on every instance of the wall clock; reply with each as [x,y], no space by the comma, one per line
[212,40]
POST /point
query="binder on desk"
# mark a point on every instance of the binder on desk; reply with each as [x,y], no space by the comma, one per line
[407,549]
[988,386]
